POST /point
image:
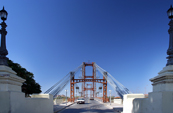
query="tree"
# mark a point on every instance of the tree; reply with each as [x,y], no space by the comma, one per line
[29,86]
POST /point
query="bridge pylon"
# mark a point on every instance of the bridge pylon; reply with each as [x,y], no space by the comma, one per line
[70,77]
[85,79]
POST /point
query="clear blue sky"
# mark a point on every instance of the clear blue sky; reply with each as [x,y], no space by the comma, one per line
[128,38]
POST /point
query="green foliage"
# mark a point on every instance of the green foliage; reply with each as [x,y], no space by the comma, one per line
[112,97]
[29,86]
[60,97]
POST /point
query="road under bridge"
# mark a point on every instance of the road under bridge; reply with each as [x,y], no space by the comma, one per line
[90,106]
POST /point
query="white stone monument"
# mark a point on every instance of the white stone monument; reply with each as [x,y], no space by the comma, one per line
[161,99]
[12,100]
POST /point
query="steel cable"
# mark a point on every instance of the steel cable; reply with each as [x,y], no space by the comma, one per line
[49,90]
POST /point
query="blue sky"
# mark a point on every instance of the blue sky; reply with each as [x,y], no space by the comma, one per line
[50,38]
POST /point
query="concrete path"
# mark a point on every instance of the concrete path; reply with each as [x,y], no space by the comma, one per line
[59,107]
[90,106]
[118,108]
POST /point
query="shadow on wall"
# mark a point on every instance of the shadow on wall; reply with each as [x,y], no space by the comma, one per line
[146,105]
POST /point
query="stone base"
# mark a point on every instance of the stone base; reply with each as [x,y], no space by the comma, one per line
[164,80]
[3,60]
[40,96]
[157,102]
[9,81]
[12,100]
[161,99]
[15,102]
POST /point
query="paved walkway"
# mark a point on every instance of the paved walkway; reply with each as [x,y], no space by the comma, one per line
[59,107]
[118,108]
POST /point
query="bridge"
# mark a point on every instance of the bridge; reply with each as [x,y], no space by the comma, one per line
[160,100]
[92,79]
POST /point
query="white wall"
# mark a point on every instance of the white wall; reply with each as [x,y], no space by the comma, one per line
[12,100]
[58,101]
[128,101]
[157,102]
[118,101]
[40,105]
[15,102]
[161,99]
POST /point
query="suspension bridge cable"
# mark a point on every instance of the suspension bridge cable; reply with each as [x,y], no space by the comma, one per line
[59,87]
[75,70]
[111,77]
[67,76]
[114,83]
[56,84]
[118,83]
[121,90]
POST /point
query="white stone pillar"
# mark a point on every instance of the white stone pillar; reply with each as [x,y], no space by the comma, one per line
[161,99]
[9,81]
[11,97]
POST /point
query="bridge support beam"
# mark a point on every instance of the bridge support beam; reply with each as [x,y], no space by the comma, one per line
[105,88]
[72,98]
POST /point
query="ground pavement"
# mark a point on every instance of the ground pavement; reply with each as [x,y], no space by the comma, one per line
[59,107]
[117,108]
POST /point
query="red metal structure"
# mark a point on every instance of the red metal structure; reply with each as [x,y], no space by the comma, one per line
[91,79]
[107,77]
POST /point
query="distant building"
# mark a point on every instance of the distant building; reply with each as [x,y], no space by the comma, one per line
[58,96]
[62,95]
[146,95]
[117,97]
